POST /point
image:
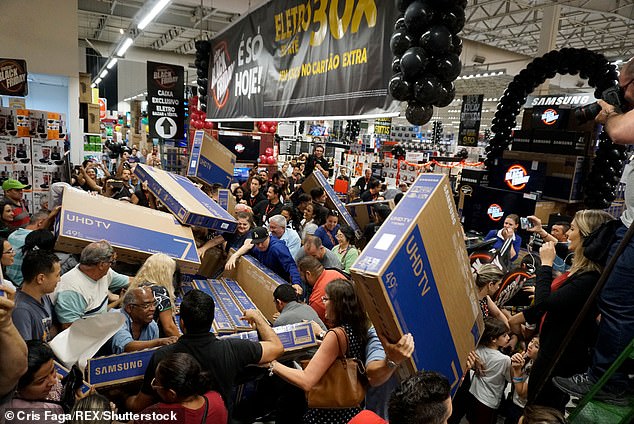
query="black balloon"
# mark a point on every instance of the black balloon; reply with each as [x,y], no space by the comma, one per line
[453,19]
[202,82]
[396,65]
[400,42]
[202,90]
[446,94]
[427,90]
[399,24]
[202,73]
[418,17]
[437,40]
[418,114]
[403,4]
[456,45]
[448,67]
[413,63]
[399,88]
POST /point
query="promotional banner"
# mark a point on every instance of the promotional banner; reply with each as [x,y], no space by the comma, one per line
[470,117]
[13,77]
[383,126]
[310,58]
[166,110]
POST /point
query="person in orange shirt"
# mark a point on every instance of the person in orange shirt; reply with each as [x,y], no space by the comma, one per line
[313,274]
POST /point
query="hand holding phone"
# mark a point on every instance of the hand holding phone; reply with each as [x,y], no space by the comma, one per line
[525,223]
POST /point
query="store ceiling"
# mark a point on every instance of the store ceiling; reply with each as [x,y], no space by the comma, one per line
[605,26]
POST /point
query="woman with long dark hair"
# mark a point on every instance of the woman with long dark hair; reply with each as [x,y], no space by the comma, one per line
[185,389]
[344,308]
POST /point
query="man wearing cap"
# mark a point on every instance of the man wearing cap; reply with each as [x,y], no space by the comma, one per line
[13,190]
[272,253]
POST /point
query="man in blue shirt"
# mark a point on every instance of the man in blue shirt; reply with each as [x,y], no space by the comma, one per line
[279,229]
[273,254]
[139,331]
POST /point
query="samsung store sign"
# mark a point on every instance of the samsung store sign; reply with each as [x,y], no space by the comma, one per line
[574,100]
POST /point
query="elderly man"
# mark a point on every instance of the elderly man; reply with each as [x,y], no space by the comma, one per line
[314,247]
[83,291]
[13,192]
[278,227]
[139,330]
[272,253]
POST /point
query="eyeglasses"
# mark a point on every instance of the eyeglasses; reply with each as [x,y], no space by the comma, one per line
[325,298]
[144,306]
[9,252]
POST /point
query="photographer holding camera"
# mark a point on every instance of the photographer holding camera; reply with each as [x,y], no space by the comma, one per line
[616,300]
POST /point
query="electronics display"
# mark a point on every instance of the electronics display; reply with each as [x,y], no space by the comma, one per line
[244,147]
[550,118]
[317,130]
[521,176]
[241,174]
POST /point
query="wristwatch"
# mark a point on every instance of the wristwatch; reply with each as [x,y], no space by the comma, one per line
[390,364]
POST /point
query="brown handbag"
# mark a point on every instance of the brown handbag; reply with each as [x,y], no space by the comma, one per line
[344,383]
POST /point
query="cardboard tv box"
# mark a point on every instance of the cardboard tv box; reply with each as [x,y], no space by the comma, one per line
[414,277]
[105,371]
[362,212]
[135,232]
[257,281]
[210,162]
[317,179]
[189,204]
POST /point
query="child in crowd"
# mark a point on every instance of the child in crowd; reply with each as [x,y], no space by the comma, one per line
[487,389]
[521,364]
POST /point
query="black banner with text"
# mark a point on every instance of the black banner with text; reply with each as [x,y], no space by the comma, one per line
[470,117]
[165,94]
[311,58]
[13,77]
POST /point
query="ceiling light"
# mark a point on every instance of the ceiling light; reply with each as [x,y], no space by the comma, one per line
[126,44]
[103,73]
[121,31]
[112,62]
[98,80]
[152,14]
[93,85]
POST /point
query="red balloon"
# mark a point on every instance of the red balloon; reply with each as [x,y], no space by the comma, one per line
[262,158]
[270,160]
[268,151]
[199,125]
[193,101]
[209,125]
[264,128]
[273,129]
[271,123]
[201,115]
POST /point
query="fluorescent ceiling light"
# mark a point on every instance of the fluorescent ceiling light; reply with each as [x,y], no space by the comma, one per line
[93,85]
[112,62]
[126,44]
[103,73]
[98,80]
[152,14]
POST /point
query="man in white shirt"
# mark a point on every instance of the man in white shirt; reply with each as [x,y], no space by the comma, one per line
[83,291]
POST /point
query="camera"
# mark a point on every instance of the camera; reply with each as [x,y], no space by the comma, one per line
[525,223]
[612,95]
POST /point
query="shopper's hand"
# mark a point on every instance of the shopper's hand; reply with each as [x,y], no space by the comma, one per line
[517,362]
[537,224]
[547,253]
[6,306]
[399,351]
[507,233]
[231,263]
[252,316]
[167,340]
[298,289]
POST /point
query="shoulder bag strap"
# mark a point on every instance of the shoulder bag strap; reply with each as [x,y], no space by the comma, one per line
[343,345]
[204,420]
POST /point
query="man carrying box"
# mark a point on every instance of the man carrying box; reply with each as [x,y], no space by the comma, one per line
[84,289]
[223,359]
[273,254]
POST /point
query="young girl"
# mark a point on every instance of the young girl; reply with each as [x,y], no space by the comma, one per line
[521,364]
[487,390]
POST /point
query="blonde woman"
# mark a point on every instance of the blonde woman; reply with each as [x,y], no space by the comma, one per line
[557,306]
[158,273]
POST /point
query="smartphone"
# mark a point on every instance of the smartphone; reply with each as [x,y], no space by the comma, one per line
[525,223]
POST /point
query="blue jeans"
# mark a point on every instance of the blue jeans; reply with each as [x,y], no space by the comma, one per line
[616,304]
